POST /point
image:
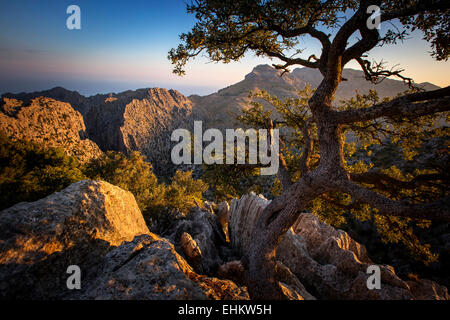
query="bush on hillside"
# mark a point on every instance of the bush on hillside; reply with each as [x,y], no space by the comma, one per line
[29,172]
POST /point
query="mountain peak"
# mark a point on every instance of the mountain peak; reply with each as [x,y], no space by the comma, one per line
[264,67]
[263,71]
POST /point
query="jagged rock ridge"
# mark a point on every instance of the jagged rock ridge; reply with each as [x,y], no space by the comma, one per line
[140,120]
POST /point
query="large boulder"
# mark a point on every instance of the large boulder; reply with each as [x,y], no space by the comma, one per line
[99,228]
[76,226]
[149,268]
[327,261]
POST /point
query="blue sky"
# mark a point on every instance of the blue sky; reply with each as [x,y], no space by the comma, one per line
[123,45]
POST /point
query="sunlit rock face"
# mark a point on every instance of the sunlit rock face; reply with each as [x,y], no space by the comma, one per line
[150,268]
[98,227]
[134,120]
[49,123]
[78,225]
[327,261]
[141,120]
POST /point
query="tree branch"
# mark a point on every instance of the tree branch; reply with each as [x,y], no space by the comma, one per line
[374,75]
[439,210]
[368,41]
[422,6]
[386,182]
[407,106]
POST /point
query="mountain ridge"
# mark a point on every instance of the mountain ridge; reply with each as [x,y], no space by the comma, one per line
[143,119]
[232,99]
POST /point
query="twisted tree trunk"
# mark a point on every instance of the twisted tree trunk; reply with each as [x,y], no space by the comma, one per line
[331,176]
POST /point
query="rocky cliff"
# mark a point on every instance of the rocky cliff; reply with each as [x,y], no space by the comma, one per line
[99,228]
[47,122]
[140,120]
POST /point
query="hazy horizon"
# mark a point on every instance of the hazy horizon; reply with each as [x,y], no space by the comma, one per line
[116,88]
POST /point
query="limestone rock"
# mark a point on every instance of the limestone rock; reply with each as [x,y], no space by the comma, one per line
[242,217]
[50,123]
[98,227]
[141,120]
[233,270]
[291,287]
[191,249]
[327,261]
[149,268]
[204,228]
[39,240]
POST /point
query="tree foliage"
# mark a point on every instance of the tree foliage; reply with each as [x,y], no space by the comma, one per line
[160,204]
[29,172]
[226,31]
[404,159]
[130,173]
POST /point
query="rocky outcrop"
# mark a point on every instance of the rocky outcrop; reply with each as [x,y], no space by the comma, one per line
[98,227]
[201,240]
[50,123]
[242,216]
[79,102]
[141,120]
[191,250]
[327,261]
[76,226]
[149,268]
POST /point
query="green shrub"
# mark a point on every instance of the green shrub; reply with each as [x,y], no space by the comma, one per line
[29,172]
[157,201]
